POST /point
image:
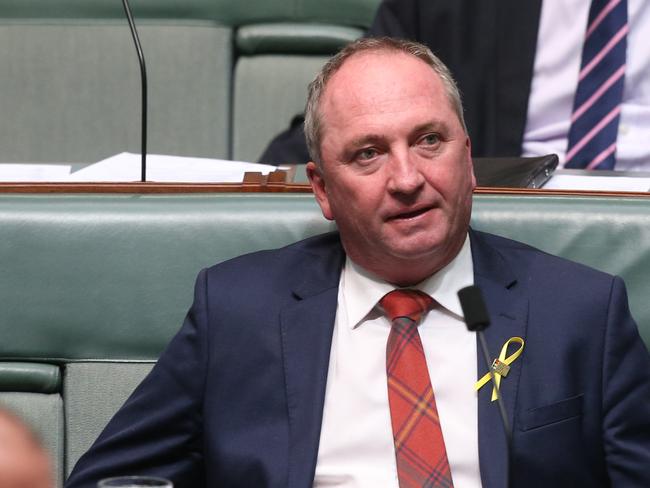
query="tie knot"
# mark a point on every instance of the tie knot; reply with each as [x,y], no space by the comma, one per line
[406,303]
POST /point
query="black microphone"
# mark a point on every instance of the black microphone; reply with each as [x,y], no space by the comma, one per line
[473,305]
[143,78]
[477,319]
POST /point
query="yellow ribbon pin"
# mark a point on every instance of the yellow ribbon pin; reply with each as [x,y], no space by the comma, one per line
[501,365]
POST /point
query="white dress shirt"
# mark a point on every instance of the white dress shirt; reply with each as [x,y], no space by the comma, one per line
[356,444]
[555,79]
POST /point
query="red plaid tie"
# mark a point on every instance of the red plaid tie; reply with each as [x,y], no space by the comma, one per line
[419,445]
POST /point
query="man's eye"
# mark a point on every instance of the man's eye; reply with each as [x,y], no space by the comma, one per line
[366,154]
[430,139]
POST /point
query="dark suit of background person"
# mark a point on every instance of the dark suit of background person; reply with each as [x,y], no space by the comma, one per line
[236,399]
[489,46]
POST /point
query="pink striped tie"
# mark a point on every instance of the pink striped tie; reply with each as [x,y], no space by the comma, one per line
[597,103]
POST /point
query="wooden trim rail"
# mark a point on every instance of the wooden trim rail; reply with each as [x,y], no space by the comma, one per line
[252,185]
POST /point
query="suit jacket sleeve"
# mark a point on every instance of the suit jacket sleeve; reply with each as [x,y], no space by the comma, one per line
[626,400]
[158,431]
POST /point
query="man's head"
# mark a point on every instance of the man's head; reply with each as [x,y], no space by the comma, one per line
[23,461]
[392,157]
[313,117]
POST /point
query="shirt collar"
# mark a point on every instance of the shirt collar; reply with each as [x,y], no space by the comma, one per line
[362,290]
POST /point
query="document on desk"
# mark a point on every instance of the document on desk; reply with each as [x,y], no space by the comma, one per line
[126,167]
[598,183]
[17,172]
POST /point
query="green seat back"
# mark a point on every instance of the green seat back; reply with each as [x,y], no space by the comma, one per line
[72,87]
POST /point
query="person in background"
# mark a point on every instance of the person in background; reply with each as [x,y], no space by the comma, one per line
[517,65]
[24,463]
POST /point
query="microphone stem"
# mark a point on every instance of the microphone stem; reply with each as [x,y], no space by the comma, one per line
[502,409]
[143,78]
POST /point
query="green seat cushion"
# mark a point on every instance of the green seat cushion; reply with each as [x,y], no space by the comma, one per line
[94,391]
[109,9]
[357,13]
[291,38]
[30,377]
[343,12]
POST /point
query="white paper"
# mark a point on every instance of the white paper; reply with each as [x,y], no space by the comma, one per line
[605,183]
[13,172]
[162,168]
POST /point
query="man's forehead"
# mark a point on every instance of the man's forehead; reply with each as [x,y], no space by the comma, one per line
[383,82]
[379,78]
[367,66]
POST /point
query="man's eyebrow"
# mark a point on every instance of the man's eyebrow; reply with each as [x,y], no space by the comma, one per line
[374,139]
[435,125]
[365,140]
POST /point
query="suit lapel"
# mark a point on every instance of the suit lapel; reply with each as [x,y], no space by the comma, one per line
[508,310]
[306,328]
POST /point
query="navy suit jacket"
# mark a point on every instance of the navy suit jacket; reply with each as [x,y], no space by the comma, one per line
[236,400]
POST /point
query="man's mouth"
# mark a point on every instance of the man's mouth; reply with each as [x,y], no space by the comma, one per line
[411,214]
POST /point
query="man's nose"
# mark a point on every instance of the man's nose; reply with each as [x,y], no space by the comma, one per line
[405,176]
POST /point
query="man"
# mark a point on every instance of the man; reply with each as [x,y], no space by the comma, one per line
[517,65]
[23,461]
[285,371]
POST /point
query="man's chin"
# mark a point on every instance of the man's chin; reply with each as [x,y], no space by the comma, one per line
[416,245]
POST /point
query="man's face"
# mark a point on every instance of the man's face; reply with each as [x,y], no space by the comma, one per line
[396,172]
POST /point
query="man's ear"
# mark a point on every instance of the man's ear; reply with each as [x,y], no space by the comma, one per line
[317,181]
[468,145]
